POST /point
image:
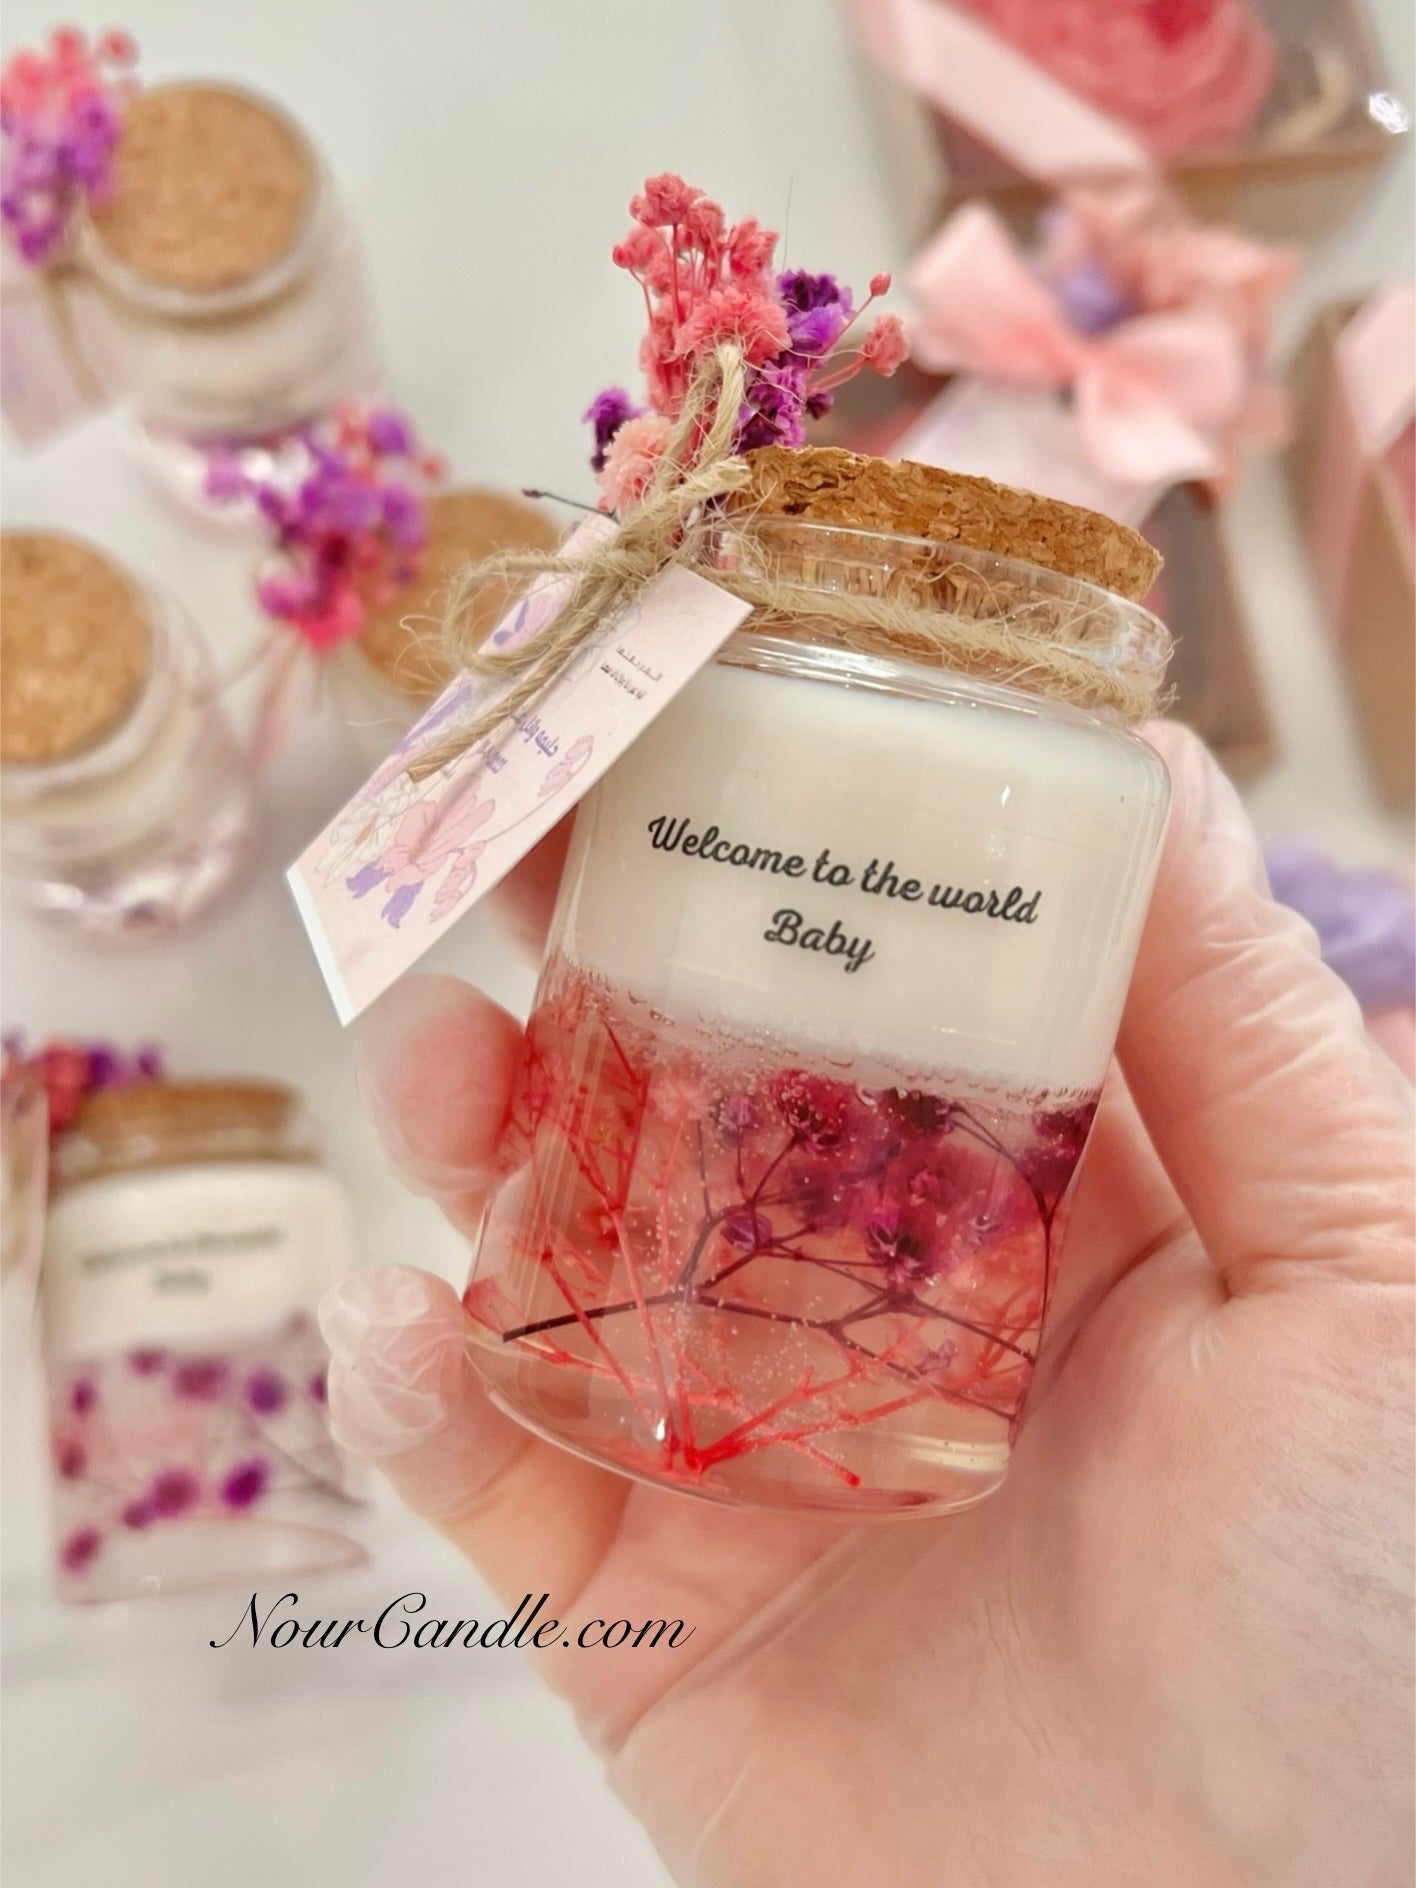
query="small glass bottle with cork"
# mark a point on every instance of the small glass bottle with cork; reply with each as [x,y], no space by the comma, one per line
[843,936]
[191,1231]
[127,806]
[228,299]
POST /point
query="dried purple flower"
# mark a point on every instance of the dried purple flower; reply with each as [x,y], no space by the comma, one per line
[916,1112]
[348,536]
[138,1514]
[735,1117]
[1059,1135]
[173,1492]
[1091,300]
[246,1483]
[1365,921]
[266,1392]
[746,1231]
[897,1240]
[60,116]
[79,1549]
[801,292]
[201,1378]
[607,412]
[813,1107]
[391,433]
[84,1396]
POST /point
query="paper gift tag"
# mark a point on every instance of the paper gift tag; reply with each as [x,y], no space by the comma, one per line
[405,858]
[1023,436]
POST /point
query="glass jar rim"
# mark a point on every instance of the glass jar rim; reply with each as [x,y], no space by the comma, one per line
[1116,634]
[158,298]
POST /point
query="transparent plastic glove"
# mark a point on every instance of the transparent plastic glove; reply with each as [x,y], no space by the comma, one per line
[1176,1647]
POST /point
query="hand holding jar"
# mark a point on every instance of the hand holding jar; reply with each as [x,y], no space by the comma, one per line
[1148,1655]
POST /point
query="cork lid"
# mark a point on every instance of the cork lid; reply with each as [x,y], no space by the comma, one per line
[404,639]
[76,647]
[174,1124]
[828,485]
[212,187]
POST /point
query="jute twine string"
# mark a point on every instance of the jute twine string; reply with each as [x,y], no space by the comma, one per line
[1002,629]
[697,465]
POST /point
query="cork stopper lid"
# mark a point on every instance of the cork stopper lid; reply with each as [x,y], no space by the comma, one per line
[137,1125]
[825,484]
[212,187]
[403,640]
[76,647]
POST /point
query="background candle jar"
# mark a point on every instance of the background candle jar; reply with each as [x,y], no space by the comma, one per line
[230,300]
[190,1234]
[126,807]
[388,676]
[833,982]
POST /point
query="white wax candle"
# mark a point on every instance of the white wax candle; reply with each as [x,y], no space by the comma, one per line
[948,885]
[213,1250]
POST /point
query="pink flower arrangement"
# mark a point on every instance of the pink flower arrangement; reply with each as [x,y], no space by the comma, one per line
[68,1071]
[1158,329]
[1158,261]
[706,282]
[352,531]
[1155,257]
[1184,74]
[60,117]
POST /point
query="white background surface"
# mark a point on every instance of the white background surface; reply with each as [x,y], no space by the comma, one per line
[490,150]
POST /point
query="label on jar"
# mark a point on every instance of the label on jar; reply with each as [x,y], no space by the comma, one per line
[405,858]
[956,882]
[189,1253]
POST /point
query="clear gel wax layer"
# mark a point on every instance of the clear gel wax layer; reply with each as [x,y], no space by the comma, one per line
[812,1284]
[834,982]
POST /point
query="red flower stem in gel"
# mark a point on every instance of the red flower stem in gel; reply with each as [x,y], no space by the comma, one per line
[769,1258]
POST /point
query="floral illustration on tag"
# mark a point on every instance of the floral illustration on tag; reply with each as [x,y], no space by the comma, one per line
[432,834]
[565,769]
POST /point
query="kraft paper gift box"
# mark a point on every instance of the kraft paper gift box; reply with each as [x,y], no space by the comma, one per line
[1353,465]
[1273,114]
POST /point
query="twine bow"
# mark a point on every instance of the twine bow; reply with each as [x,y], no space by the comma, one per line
[698,464]
[949,614]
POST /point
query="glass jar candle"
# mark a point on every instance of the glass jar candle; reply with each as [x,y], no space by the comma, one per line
[230,299]
[126,806]
[832,985]
[389,676]
[190,1234]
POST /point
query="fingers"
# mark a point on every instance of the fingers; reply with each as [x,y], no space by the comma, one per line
[404,1395]
[436,1064]
[526,897]
[1282,1128]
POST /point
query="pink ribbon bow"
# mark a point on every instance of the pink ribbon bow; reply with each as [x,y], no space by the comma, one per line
[1155,398]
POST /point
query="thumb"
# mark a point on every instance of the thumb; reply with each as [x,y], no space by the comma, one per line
[404,1395]
[1285,1132]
